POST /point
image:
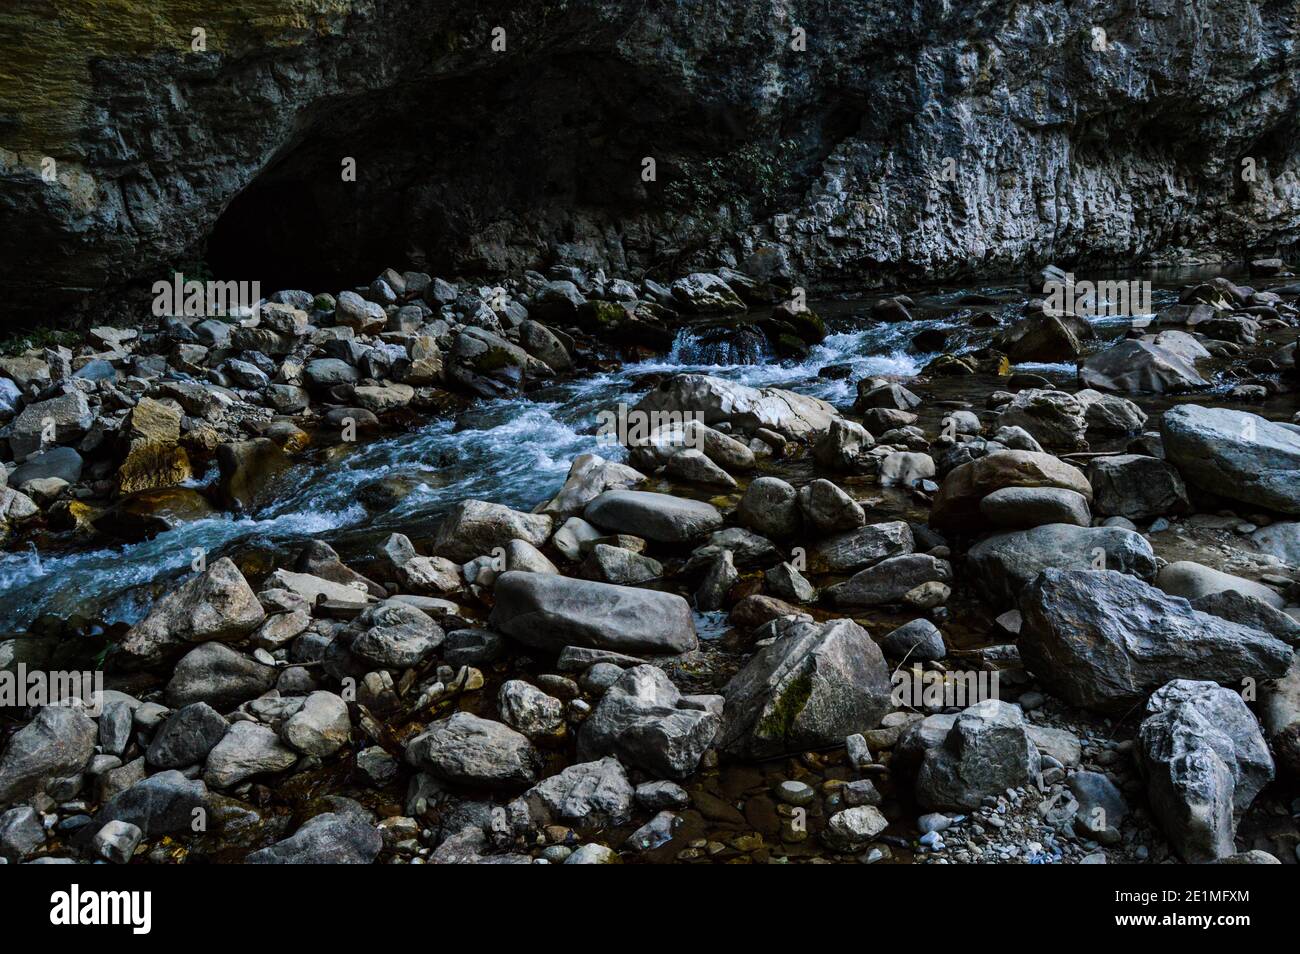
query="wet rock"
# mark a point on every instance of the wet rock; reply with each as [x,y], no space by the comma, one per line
[717,583]
[551,612]
[164,804]
[878,392]
[1017,508]
[659,517]
[1192,581]
[57,743]
[747,549]
[816,684]
[473,647]
[1044,338]
[890,580]
[246,750]
[692,466]
[475,527]
[703,293]
[590,476]
[320,727]
[541,343]
[218,604]
[1138,365]
[643,720]
[527,709]
[956,506]
[395,635]
[770,507]
[588,797]
[1205,760]
[471,751]
[987,750]
[218,675]
[328,839]
[1234,454]
[668,440]
[569,539]
[1104,640]
[1002,565]
[794,416]
[187,737]
[247,471]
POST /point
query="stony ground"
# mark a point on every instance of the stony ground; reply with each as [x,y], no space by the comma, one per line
[1119,550]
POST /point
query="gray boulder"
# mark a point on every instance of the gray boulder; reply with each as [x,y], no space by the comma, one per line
[328,839]
[588,797]
[551,612]
[187,737]
[474,528]
[1204,760]
[1235,454]
[1020,508]
[1136,487]
[1140,365]
[471,751]
[1000,566]
[218,675]
[217,604]
[644,721]
[395,635]
[861,548]
[164,804]
[816,684]
[1192,581]
[1104,640]
[659,517]
[247,749]
[770,507]
[57,743]
[987,750]
[918,640]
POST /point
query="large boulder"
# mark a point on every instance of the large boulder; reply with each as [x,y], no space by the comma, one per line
[1001,566]
[1279,711]
[217,604]
[1139,365]
[770,507]
[957,504]
[551,612]
[814,686]
[795,416]
[1205,760]
[987,750]
[246,750]
[167,803]
[475,528]
[1235,454]
[1021,508]
[1044,338]
[1104,640]
[478,752]
[395,635]
[861,548]
[57,743]
[659,517]
[644,721]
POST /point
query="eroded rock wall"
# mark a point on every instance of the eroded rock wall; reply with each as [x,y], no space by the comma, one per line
[925,139]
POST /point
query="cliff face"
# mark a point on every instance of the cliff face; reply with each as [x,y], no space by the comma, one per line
[916,139]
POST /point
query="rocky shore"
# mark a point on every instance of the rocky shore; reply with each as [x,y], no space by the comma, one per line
[981,614]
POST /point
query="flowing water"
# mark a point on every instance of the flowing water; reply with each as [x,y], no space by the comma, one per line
[516,452]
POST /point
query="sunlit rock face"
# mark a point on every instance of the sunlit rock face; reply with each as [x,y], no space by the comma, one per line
[935,139]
